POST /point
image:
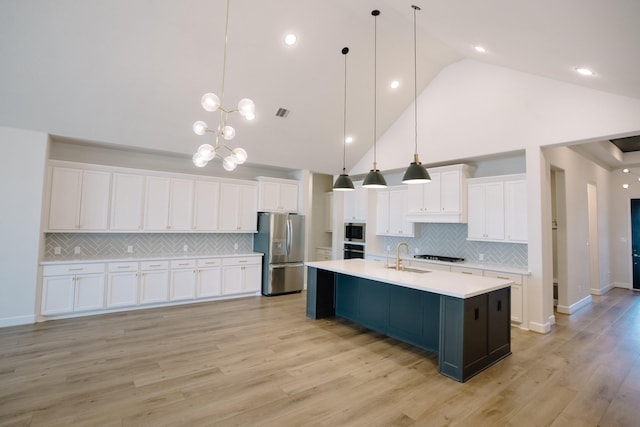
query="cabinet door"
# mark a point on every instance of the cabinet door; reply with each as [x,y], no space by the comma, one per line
[229,201]
[499,328]
[289,197]
[269,196]
[355,204]
[183,284]
[516,303]
[209,282]
[450,188]
[516,211]
[397,210]
[494,211]
[382,213]
[57,294]
[476,211]
[127,202]
[64,204]
[122,289]
[157,197]
[89,292]
[181,205]
[248,208]
[206,206]
[252,280]
[94,200]
[431,194]
[475,333]
[232,279]
[154,286]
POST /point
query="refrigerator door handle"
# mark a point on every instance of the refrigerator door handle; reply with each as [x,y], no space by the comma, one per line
[295,264]
[288,236]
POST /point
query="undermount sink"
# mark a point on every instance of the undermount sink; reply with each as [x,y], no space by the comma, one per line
[409,269]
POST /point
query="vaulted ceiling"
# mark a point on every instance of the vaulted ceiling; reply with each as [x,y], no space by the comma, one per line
[131,73]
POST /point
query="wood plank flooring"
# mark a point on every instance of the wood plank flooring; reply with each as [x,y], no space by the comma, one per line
[260,361]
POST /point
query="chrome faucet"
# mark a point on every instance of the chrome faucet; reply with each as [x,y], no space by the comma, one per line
[398,262]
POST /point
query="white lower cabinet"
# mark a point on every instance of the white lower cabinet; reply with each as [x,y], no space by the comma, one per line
[517,300]
[241,275]
[122,284]
[209,274]
[154,282]
[183,280]
[72,288]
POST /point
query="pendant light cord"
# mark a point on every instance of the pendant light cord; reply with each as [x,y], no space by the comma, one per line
[344,122]
[223,114]
[375,14]
[415,78]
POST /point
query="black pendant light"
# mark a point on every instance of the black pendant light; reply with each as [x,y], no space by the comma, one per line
[343,182]
[374,179]
[415,173]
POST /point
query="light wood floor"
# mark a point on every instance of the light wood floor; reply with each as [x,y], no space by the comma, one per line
[260,361]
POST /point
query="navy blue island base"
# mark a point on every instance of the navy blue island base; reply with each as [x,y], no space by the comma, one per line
[468,334]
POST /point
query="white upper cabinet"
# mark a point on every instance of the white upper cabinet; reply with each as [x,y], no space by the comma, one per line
[94,198]
[444,199]
[356,204]
[238,207]
[391,208]
[277,195]
[497,209]
[169,204]
[79,200]
[206,205]
[127,202]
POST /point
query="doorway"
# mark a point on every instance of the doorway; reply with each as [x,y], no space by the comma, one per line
[594,264]
[635,242]
[559,240]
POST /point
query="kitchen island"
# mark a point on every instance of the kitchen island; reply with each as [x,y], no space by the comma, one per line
[464,319]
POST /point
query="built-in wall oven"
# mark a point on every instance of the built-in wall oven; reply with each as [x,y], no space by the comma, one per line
[353,250]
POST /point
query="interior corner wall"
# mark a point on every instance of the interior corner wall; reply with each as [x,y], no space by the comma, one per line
[620,226]
[22,172]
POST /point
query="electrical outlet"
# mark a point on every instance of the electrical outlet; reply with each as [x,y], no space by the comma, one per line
[388,248]
[480,257]
[185,248]
[77,250]
[235,246]
[56,250]
[130,249]
[415,251]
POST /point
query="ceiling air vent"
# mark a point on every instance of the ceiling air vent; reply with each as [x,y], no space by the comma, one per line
[282,112]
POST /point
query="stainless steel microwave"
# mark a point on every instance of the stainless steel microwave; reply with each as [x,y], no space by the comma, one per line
[354,231]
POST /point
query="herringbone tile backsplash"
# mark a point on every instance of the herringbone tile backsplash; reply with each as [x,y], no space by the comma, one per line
[113,245]
[451,240]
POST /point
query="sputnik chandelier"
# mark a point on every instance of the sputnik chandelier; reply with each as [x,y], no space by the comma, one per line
[211,102]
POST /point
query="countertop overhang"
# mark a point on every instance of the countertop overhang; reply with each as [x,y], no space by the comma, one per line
[440,282]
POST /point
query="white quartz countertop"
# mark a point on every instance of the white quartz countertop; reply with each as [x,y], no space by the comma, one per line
[439,282]
[84,260]
[465,264]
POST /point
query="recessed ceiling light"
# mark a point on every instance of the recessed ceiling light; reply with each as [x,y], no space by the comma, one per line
[584,71]
[625,186]
[290,39]
[395,84]
[480,49]
[625,170]
[348,139]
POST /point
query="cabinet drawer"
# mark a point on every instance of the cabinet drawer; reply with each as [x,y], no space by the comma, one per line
[242,261]
[114,267]
[210,262]
[154,265]
[183,263]
[515,278]
[60,270]
[463,270]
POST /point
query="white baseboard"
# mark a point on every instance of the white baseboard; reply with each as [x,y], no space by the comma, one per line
[541,328]
[17,320]
[575,306]
[604,290]
[622,285]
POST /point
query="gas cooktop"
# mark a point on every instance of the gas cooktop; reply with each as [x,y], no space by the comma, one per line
[439,258]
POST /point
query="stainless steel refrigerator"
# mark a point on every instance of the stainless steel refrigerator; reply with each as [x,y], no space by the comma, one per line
[280,238]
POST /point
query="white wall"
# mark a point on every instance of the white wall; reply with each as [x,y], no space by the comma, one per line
[620,225]
[22,169]
[474,110]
